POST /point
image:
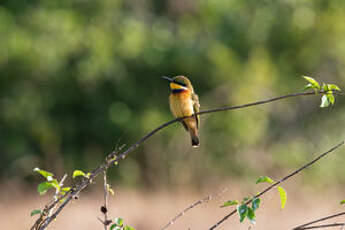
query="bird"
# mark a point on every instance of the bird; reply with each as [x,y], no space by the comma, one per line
[185,102]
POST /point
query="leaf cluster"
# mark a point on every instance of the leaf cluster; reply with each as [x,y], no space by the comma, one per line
[281,190]
[119,225]
[50,182]
[327,98]
[245,210]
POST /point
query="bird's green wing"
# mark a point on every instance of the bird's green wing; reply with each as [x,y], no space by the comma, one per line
[196,107]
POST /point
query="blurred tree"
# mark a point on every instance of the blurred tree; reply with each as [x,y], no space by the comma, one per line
[80,77]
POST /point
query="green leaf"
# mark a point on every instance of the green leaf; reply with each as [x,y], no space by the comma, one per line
[110,190]
[115,227]
[333,87]
[35,212]
[324,101]
[44,173]
[325,87]
[331,98]
[342,202]
[242,211]
[255,204]
[313,82]
[55,183]
[251,215]
[229,203]
[119,222]
[264,179]
[78,173]
[44,187]
[128,228]
[283,197]
[244,199]
[309,86]
[66,189]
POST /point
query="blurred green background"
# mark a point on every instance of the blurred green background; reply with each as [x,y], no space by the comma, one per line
[79,78]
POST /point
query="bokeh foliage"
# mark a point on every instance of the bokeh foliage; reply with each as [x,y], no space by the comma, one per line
[81,77]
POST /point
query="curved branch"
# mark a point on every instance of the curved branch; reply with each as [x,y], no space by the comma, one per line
[303,226]
[324,226]
[116,156]
[279,182]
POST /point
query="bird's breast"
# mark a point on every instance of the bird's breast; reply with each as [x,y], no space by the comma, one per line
[181,104]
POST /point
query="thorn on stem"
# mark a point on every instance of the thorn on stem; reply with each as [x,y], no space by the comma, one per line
[104,209]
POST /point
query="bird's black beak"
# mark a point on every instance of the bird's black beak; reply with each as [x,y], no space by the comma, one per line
[168,78]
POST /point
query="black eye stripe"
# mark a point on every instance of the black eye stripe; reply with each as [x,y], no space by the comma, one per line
[180,83]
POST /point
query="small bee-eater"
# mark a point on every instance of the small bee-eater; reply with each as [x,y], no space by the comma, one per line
[184,102]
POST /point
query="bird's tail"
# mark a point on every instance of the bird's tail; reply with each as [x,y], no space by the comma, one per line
[194,134]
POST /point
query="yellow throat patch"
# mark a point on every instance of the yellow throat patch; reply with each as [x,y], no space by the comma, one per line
[176,86]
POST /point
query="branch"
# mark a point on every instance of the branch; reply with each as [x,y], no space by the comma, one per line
[49,208]
[116,156]
[279,182]
[104,208]
[56,196]
[206,199]
[318,220]
[324,226]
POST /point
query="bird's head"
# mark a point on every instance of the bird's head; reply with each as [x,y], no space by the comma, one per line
[179,83]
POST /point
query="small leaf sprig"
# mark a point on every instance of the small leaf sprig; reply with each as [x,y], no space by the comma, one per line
[328,90]
[119,225]
[281,190]
[50,183]
[53,183]
[80,173]
[245,210]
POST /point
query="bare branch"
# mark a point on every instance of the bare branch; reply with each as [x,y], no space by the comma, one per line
[104,208]
[206,199]
[324,226]
[318,220]
[279,182]
[117,155]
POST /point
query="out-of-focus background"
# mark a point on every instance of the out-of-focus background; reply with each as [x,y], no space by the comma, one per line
[79,78]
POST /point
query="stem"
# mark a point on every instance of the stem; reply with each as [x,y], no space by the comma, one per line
[106,193]
[206,199]
[324,226]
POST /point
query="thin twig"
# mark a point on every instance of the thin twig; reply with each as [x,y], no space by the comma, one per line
[56,195]
[279,182]
[115,156]
[48,210]
[324,226]
[318,220]
[104,208]
[52,204]
[205,199]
